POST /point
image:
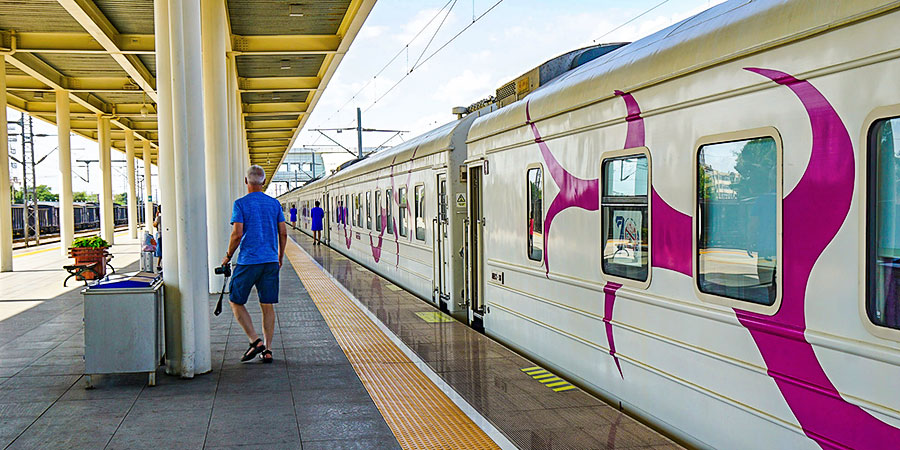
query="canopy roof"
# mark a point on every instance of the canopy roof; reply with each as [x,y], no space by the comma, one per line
[102,52]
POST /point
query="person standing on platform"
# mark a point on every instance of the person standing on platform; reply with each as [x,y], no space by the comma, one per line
[317,215]
[258,228]
[157,223]
[293,216]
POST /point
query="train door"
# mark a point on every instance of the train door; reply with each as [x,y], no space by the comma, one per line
[441,241]
[326,225]
[474,247]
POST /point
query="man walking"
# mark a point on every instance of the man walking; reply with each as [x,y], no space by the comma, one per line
[317,215]
[258,228]
[293,216]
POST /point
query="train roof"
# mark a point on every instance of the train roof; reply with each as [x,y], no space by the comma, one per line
[724,32]
[428,143]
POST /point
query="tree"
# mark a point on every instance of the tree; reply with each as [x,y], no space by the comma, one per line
[121,198]
[43,195]
[84,197]
[757,164]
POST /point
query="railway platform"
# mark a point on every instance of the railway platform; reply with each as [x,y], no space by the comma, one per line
[359,363]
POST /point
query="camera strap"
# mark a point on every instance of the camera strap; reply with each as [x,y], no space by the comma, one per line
[218,309]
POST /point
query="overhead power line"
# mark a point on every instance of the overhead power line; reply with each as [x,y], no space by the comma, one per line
[632,20]
[434,53]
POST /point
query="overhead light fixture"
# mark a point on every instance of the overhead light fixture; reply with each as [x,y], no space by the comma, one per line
[143,110]
[275,96]
[39,95]
[285,64]
[296,10]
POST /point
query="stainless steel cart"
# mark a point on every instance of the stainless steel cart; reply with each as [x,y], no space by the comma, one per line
[123,326]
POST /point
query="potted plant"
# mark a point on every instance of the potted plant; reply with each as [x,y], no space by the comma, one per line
[90,249]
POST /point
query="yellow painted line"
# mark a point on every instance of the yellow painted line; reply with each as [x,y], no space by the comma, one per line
[535,372]
[557,383]
[419,414]
[543,375]
[545,381]
[564,388]
[530,368]
[434,317]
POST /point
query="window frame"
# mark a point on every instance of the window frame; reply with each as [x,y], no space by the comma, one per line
[617,154]
[358,199]
[741,135]
[528,168]
[878,114]
[369,210]
[389,210]
[416,211]
[378,226]
[402,211]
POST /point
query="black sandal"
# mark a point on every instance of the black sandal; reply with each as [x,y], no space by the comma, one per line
[266,356]
[256,348]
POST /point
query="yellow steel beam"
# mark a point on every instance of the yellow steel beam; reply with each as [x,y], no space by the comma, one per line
[269,84]
[42,42]
[275,108]
[285,45]
[265,134]
[89,16]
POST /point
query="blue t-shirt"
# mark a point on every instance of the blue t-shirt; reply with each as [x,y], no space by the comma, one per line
[260,215]
[317,214]
[293,214]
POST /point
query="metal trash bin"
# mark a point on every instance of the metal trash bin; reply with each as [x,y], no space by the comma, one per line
[124,326]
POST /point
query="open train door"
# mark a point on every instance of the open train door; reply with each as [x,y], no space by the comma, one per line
[442,252]
[474,230]
[326,223]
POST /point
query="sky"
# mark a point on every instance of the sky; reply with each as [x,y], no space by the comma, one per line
[507,41]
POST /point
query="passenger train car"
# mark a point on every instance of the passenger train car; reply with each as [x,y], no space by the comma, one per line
[86,217]
[701,226]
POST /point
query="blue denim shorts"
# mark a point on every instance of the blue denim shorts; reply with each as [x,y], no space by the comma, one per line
[264,276]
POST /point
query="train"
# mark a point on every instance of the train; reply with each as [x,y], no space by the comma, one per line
[86,216]
[701,227]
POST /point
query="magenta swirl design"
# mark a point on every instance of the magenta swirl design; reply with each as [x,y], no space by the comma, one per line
[573,191]
[813,214]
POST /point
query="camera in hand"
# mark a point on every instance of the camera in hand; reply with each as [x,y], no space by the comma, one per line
[224,269]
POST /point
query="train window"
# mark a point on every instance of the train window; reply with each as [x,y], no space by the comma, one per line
[625,221]
[378,219]
[535,213]
[402,218]
[358,206]
[883,252]
[420,212]
[737,219]
[388,210]
[368,210]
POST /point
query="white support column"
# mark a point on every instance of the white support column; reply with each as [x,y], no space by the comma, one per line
[131,197]
[190,182]
[66,213]
[148,188]
[234,132]
[6,257]
[215,108]
[107,222]
[165,163]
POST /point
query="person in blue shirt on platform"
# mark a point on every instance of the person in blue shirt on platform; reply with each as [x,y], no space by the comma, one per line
[293,216]
[318,215]
[258,228]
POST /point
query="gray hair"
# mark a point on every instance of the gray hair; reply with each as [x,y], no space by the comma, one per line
[256,175]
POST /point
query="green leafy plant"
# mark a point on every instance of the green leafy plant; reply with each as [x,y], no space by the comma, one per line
[90,242]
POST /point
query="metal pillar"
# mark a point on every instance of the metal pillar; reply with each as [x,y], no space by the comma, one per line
[148,203]
[66,212]
[130,197]
[165,163]
[107,222]
[190,182]
[215,108]
[6,257]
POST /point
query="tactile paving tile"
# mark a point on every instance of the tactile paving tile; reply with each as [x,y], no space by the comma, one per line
[420,415]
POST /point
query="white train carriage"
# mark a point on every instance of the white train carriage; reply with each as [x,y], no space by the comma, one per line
[400,213]
[700,226]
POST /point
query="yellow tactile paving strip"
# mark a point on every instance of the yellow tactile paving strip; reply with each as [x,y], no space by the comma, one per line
[420,415]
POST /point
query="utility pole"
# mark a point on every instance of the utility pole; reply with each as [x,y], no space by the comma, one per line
[359,131]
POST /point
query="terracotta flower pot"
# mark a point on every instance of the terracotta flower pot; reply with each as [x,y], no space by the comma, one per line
[88,255]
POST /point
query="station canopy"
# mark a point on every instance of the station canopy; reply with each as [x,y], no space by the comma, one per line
[102,52]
